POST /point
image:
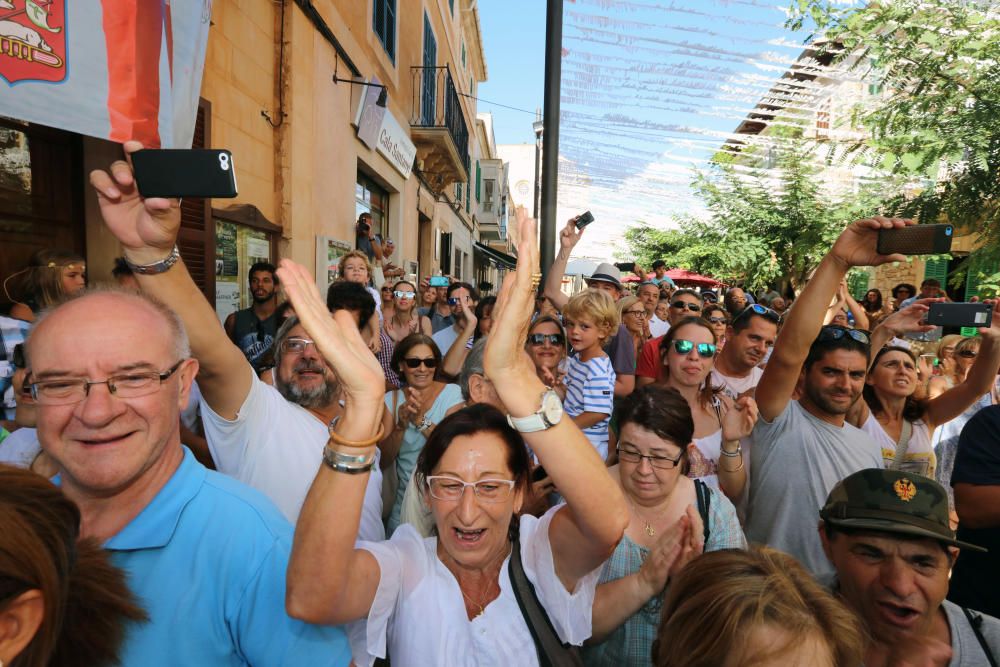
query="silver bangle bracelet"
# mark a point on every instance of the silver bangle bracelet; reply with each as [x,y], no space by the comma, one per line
[156,267]
[732,455]
[349,463]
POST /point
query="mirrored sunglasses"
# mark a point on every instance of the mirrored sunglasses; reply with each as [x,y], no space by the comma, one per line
[705,350]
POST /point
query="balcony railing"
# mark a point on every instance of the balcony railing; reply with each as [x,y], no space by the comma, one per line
[436,104]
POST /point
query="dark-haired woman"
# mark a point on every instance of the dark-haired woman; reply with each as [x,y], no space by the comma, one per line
[875,309]
[670,516]
[62,602]
[715,454]
[413,411]
[449,599]
[890,414]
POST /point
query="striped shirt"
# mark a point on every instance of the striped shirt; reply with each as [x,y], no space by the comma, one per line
[590,387]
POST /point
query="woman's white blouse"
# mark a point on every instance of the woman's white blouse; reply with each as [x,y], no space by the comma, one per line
[420,613]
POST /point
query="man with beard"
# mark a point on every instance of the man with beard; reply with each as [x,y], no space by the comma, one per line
[252,329]
[270,438]
[801,448]
[748,339]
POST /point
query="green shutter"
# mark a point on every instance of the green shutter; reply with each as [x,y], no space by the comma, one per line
[478,179]
[468,198]
[973,279]
[857,284]
[936,268]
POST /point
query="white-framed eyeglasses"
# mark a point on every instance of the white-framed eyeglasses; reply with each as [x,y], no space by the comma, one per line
[444,487]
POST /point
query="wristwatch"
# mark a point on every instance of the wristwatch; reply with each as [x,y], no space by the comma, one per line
[549,414]
[156,267]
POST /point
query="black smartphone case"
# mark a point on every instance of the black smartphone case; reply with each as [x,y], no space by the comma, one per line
[960,314]
[185,173]
[916,240]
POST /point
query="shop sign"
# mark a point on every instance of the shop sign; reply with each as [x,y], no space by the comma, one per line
[394,143]
[369,117]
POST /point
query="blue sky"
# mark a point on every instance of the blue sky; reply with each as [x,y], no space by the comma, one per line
[650,89]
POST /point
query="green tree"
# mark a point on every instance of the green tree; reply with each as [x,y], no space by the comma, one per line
[763,226]
[936,61]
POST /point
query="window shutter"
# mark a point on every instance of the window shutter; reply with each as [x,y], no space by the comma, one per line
[936,268]
[478,177]
[196,239]
[973,279]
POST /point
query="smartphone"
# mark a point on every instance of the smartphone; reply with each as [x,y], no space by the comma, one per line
[916,240]
[625,266]
[185,173]
[584,219]
[439,281]
[960,314]
[538,474]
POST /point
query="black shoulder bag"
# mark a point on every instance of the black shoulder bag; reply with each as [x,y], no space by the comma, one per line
[704,503]
[975,620]
[552,652]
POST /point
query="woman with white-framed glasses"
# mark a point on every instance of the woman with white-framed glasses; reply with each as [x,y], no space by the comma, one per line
[404,319]
[457,597]
[672,520]
[716,454]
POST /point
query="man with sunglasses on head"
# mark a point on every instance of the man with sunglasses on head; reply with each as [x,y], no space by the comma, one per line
[461,298]
[749,336]
[270,438]
[801,448]
[685,303]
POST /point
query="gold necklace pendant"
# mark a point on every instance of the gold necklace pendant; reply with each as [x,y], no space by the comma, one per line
[649,529]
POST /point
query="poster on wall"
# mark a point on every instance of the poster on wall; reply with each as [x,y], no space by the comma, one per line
[328,253]
[112,69]
[237,248]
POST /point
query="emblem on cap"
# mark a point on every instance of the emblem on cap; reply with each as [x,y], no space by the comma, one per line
[905,489]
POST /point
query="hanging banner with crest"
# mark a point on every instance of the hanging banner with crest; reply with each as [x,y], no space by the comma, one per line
[114,69]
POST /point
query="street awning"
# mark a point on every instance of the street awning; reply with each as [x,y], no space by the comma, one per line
[501,258]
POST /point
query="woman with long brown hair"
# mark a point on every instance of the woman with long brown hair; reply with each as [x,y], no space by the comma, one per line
[49,276]
[67,603]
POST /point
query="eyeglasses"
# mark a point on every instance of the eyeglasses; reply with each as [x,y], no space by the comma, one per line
[663,462]
[835,332]
[706,350]
[718,320]
[415,362]
[69,391]
[296,345]
[486,490]
[637,313]
[541,339]
[401,294]
[758,309]
[968,354]
[681,305]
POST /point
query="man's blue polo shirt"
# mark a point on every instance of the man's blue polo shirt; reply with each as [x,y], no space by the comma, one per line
[207,559]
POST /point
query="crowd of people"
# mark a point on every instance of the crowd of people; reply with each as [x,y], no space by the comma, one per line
[395,470]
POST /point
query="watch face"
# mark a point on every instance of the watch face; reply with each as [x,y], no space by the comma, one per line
[552,407]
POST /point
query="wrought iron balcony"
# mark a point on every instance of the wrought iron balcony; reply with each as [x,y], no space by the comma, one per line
[438,127]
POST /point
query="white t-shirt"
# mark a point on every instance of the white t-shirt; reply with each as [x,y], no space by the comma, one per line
[445,338]
[20,448]
[419,612]
[919,457]
[276,447]
[658,327]
[733,386]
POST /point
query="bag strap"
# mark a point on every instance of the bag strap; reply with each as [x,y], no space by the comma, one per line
[551,651]
[704,503]
[975,620]
[903,444]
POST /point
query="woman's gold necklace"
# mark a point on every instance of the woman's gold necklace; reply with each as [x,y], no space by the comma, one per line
[482,607]
[646,526]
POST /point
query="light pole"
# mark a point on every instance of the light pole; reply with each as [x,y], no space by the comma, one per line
[538,126]
[550,160]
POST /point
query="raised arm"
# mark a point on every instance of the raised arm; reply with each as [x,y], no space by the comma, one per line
[147,230]
[860,316]
[982,375]
[584,533]
[329,581]
[455,356]
[855,247]
[569,236]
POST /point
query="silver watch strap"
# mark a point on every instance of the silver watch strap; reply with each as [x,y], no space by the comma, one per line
[156,267]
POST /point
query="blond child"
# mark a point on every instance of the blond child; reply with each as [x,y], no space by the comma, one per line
[355,268]
[590,317]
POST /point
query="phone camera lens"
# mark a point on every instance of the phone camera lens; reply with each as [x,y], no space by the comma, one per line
[224,161]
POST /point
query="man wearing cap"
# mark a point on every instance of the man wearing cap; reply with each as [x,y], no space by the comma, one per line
[888,536]
[606,277]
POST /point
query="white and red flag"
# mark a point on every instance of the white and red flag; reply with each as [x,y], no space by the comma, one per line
[114,69]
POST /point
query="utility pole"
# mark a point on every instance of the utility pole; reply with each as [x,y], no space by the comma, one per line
[550,154]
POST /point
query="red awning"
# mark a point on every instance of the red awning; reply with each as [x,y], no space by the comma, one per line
[688,278]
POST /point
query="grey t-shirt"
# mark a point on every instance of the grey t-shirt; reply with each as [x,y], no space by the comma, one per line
[621,350]
[796,460]
[966,649]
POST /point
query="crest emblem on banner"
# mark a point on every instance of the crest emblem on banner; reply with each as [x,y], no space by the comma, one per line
[33,40]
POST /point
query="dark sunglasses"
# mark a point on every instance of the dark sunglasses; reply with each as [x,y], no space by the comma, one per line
[706,350]
[415,362]
[834,332]
[968,354]
[758,309]
[681,305]
[540,339]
